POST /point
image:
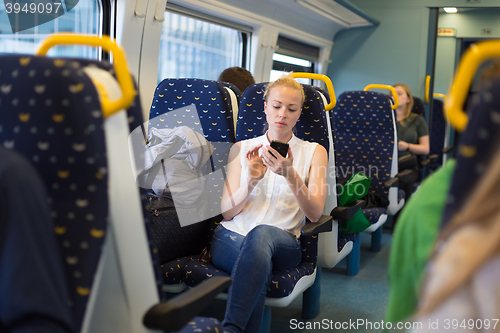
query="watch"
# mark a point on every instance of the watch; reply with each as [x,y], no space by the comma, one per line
[408,149]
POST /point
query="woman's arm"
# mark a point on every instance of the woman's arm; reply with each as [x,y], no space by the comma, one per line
[311,199]
[422,148]
[235,195]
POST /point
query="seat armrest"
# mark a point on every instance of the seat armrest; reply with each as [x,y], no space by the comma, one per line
[174,314]
[447,149]
[324,224]
[404,175]
[345,213]
[430,159]
[394,181]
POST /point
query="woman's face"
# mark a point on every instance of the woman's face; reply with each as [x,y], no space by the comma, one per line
[402,95]
[283,108]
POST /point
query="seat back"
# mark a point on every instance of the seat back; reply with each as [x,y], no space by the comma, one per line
[213,117]
[59,128]
[56,121]
[207,96]
[418,107]
[365,137]
[313,125]
[235,95]
[137,140]
[437,132]
[476,147]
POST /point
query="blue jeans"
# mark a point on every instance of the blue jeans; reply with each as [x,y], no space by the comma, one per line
[251,260]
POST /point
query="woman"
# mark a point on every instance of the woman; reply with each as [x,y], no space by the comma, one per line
[462,288]
[264,203]
[413,135]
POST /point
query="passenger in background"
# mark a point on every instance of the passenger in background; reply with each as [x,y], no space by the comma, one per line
[238,76]
[264,205]
[462,289]
[34,294]
[413,136]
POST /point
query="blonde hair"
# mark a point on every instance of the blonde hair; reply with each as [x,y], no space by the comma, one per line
[481,211]
[285,81]
[408,106]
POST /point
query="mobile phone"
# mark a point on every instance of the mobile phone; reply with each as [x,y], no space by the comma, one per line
[280,147]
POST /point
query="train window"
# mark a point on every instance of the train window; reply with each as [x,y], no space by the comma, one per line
[198,47]
[84,18]
[284,64]
[293,56]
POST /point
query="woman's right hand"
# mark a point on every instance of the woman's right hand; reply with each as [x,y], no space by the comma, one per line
[402,145]
[257,169]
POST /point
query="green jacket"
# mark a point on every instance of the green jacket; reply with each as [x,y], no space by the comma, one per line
[413,242]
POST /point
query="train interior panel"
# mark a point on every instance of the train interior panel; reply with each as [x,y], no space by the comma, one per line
[249,166]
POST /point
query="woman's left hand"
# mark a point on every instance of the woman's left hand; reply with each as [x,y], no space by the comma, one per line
[277,163]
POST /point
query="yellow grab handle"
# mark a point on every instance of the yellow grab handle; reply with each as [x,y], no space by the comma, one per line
[324,78]
[473,57]
[443,96]
[120,64]
[386,87]
[427,88]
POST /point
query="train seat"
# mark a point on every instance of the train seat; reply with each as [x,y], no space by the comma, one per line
[235,95]
[418,106]
[311,126]
[94,199]
[365,136]
[291,282]
[438,132]
[334,246]
[212,117]
[476,147]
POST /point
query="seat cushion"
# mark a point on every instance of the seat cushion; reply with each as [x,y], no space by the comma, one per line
[401,195]
[373,214]
[202,324]
[282,282]
[344,239]
[196,271]
[173,271]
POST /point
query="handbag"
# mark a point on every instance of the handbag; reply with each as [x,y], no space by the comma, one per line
[354,189]
[171,238]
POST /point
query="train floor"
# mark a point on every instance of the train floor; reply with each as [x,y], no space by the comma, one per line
[344,299]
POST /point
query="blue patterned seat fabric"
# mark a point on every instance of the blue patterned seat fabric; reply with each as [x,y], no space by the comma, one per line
[212,103]
[364,138]
[418,107]
[135,119]
[437,133]
[59,128]
[364,142]
[477,146]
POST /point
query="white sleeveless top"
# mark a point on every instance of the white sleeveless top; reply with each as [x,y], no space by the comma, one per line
[271,201]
